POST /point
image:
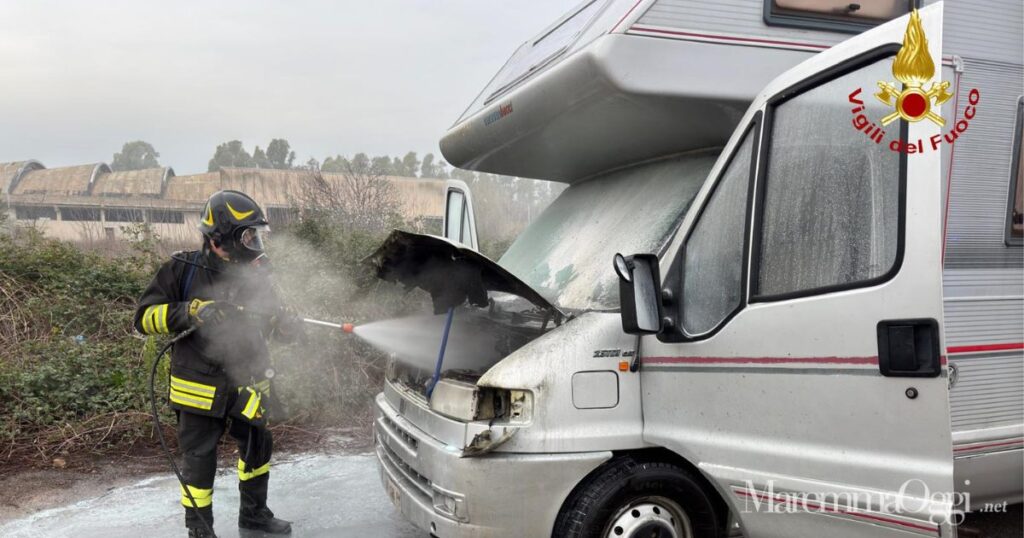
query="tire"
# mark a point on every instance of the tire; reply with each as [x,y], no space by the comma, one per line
[630,497]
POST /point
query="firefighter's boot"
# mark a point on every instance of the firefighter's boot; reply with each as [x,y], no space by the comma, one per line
[253,513]
[199,532]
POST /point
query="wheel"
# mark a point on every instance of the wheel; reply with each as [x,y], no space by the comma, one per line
[630,498]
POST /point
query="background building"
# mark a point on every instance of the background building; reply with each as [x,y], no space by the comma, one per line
[90,203]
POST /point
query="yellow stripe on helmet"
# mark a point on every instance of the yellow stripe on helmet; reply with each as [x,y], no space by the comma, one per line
[208,220]
[239,215]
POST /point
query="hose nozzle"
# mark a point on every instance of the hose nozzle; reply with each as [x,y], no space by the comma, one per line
[348,327]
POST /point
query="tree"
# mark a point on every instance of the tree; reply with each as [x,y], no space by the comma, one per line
[360,163]
[230,154]
[362,199]
[280,155]
[259,158]
[441,170]
[382,166]
[427,166]
[336,164]
[135,155]
[410,164]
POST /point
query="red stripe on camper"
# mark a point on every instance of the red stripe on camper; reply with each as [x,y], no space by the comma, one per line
[971,448]
[761,360]
[731,38]
[979,348]
[616,27]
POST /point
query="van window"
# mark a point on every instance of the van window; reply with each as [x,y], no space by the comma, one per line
[830,211]
[566,253]
[713,267]
[838,15]
[1015,210]
[453,222]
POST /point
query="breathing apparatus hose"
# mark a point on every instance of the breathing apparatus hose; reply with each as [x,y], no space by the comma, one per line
[159,431]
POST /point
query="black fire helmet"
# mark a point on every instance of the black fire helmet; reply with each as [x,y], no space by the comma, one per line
[234,221]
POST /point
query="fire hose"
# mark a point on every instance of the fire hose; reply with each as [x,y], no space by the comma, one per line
[346,327]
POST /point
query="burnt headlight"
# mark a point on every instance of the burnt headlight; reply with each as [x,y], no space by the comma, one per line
[467,402]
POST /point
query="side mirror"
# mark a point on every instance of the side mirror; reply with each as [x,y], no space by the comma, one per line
[639,293]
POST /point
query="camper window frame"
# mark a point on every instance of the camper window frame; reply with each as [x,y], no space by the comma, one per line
[1016,176]
[801,87]
[813,21]
[761,120]
[676,273]
[544,62]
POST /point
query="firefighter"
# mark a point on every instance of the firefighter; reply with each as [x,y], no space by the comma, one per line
[220,374]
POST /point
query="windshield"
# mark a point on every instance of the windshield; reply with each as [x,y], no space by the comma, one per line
[566,254]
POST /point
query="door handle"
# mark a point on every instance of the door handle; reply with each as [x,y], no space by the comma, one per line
[909,348]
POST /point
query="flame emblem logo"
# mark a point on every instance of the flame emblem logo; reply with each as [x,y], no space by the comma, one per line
[913,66]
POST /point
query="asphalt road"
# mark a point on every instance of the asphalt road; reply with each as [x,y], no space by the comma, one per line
[325,496]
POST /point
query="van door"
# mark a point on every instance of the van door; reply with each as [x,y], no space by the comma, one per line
[800,368]
[459,224]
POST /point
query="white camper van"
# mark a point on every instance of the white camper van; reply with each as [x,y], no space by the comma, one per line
[781,296]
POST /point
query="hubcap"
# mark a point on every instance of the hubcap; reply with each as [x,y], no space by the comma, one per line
[650,517]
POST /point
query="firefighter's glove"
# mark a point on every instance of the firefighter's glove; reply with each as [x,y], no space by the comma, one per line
[202,312]
[288,325]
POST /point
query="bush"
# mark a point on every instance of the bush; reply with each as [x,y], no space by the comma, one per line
[331,377]
[74,375]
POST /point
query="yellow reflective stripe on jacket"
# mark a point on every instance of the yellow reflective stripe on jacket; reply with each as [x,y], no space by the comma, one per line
[191,400]
[203,497]
[154,320]
[259,471]
[147,327]
[198,389]
[252,405]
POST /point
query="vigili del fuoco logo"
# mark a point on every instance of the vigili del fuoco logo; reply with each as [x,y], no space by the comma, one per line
[914,68]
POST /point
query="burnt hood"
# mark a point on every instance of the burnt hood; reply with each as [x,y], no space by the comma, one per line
[452,274]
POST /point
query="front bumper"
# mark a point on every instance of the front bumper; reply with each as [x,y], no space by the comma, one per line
[494,495]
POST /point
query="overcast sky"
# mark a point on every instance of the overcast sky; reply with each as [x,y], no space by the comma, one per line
[383,76]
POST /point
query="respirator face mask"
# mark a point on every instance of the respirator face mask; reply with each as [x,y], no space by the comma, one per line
[251,242]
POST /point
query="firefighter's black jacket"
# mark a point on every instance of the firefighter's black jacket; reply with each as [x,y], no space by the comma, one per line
[218,357]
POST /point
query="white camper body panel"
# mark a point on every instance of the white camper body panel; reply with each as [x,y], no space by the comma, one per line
[633,85]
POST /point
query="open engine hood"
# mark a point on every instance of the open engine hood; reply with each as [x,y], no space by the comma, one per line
[451,273]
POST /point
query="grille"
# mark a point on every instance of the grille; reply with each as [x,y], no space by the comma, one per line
[409,440]
[420,482]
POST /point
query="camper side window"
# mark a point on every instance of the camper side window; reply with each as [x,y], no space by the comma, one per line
[830,208]
[836,15]
[1015,204]
[453,217]
[713,265]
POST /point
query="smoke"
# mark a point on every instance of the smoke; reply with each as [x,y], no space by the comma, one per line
[331,372]
[474,343]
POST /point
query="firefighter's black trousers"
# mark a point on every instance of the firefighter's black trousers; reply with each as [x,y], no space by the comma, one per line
[197,439]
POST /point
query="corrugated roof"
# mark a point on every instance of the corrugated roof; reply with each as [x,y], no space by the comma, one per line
[9,172]
[65,181]
[146,183]
[193,188]
[159,187]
